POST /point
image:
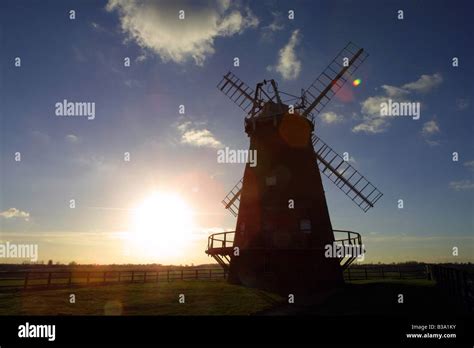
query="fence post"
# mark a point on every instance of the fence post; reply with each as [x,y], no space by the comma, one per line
[455,282]
[88,277]
[144,277]
[157,276]
[168,275]
[196,273]
[400,272]
[26,280]
[182,275]
[70,278]
[467,298]
[383,274]
[119,276]
[133,276]
[365,269]
[349,273]
[105,276]
[49,279]
[210,273]
[462,282]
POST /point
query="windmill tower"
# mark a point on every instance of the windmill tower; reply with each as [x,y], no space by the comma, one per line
[283,223]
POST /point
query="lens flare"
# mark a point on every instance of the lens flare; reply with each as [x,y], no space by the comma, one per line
[356,82]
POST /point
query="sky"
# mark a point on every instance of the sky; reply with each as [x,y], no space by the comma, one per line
[177,62]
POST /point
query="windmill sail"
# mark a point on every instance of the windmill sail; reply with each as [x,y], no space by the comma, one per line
[346,177]
[232,200]
[331,80]
[239,92]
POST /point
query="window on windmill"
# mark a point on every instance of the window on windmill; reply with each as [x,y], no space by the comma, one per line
[305,226]
[270,180]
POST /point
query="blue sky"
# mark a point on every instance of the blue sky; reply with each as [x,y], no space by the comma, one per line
[180,62]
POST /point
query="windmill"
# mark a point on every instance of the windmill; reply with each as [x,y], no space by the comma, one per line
[283,223]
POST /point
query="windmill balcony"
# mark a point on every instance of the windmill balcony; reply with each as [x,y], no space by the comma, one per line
[220,246]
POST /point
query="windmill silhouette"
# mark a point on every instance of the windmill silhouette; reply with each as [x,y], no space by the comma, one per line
[283,223]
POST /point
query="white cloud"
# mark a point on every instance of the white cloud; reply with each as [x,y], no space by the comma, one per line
[94,162]
[430,128]
[288,65]
[15,213]
[183,126]
[277,24]
[331,117]
[372,121]
[154,26]
[200,138]
[40,137]
[425,83]
[140,58]
[371,106]
[469,164]
[193,136]
[71,138]
[462,185]
[372,125]
[97,26]
[432,142]
[394,92]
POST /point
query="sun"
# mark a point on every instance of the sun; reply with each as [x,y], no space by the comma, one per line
[162,225]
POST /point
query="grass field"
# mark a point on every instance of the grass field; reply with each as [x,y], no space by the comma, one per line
[370,297]
[201,298]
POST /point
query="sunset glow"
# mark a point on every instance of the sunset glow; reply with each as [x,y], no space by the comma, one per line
[162,225]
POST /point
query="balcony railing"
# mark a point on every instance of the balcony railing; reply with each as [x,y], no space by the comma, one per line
[220,245]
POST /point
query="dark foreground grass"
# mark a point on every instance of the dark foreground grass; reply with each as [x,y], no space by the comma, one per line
[201,298]
[381,298]
[365,297]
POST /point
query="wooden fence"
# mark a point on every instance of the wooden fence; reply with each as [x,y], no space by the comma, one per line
[458,283]
[385,272]
[49,279]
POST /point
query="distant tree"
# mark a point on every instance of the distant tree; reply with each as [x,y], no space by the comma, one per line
[50,262]
[73,263]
